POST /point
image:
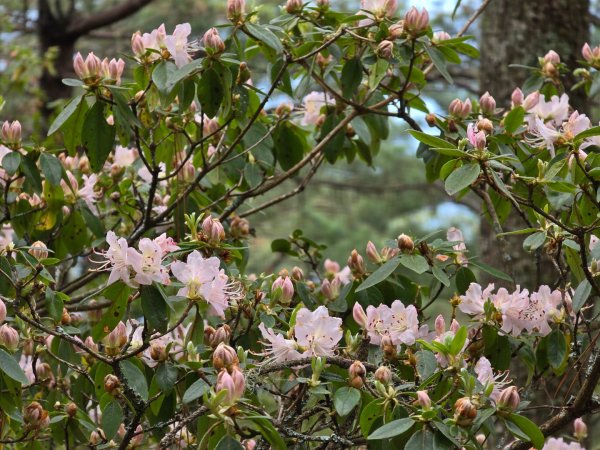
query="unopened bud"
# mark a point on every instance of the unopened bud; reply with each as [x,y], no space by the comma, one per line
[293,6]
[440,325]
[213,230]
[111,383]
[372,253]
[580,429]
[551,57]
[297,274]
[423,400]
[222,335]
[9,337]
[416,22]
[236,10]
[65,319]
[517,98]
[460,109]
[487,103]
[485,125]
[212,41]
[158,351]
[358,313]
[283,289]
[385,49]
[383,374]
[509,399]
[430,119]
[11,133]
[71,409]
[388,347]
[116,339]
[283,109]
[137,44]
[531,100]
[35,416]
[239,227]
[440,36]
[357,373]
[38,250]
[356,264]
[464,412]
[405,243]
[234,383]
[2,311]
[224,356]
[396,30]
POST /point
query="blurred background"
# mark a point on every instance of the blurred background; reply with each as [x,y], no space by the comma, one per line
[349,204]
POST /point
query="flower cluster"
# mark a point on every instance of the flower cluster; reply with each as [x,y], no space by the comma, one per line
[398,322]
[519,311]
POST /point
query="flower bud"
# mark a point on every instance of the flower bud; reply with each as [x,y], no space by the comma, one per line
[43,371]
[116,339]
[239,227]
[423,400]
[9,337]
[517,97]
[213,229]
[11,132]
[239,382]
[358,313]
[293,6]
[509,399]
[405,243]
[35,416]
[323,61]
[221,335]
[283,289]
[580,429]
[388,253]
[357,373]
[224,356]
[111,383]
[158,351]
[440,36]
[440,325]
[212,41]
[71,409]
[234,383]
[323,4]
[2,311]
[485,125]
[383,374]
[96,437]
[531,100]
[487,103]
[236,10]
[65,318]
[372,253]
[430,119]
[551,57]
[327,290]
[137,44]
[385,49]
[396,30]
[460,109]
[549,70]
[464,412]
[388,347]
[416,22]
[79,66]
[283,109]
[356,264]
[297,274]
[331,267]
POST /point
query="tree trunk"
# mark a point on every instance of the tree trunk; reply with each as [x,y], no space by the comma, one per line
[518,32]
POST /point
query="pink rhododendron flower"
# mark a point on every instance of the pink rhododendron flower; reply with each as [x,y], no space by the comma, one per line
[473,301]
[203,279]
[313,103]
[560,444]
[124,157]
[118,256]
[511,306]
[555,111]
[281,349]
[485,375]
[399,322]
[455,235]
[148,264]
[177,44]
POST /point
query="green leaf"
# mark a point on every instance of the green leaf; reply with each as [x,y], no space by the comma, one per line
[195,391]
[439,62]
[369,414]
[581,295]
[458,342]
[210,92]
[54,305]
[166,376]
[264,35]
[557,348]
[464,277]
[51,168]
[416,263]
[514,119]
[421,440]
[99,136]
[229,443]
[590,132]
[11,368]
[352,75]
[155,308]
[67,111]
[441,275]
[31,172]
[11,162]
[380,274]
[345,400]
[529,428]
[135,378]
[431,141]
[391,429]
[461,178]
[281,245]
[491,270]
[112,417]
[289,147]
[534,241]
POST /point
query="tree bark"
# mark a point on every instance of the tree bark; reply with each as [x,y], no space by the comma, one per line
[518,32]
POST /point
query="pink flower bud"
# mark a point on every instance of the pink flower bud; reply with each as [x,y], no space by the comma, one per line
[358,313]
[552,57]
[224,356]
[213,230]
[9,337]
[234,386]
[2,311]
[487,104]
[356,264]
[116,339]
[464,412]
[388,347]
[297,273]
[416,22]
[580,429]
[89,343]
[423,399]
[517,97]
[212,41]
[283,287]
[454,326]
[293,6]
[327,289]
[209,126]
[239,382]
[137,44]
[396,30]
[38,250]
[509,399]
[236,10]
[459,109]
[405,243]
[35,416]
[372,253]
[357,373]
[111,383]
[221,335]
[440,325]
[11,132]
[383,374]
[80,67]
[331,267]
[323,4]
[531,100]
[115,70]
[477,139]
[385,49]
[440,36]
